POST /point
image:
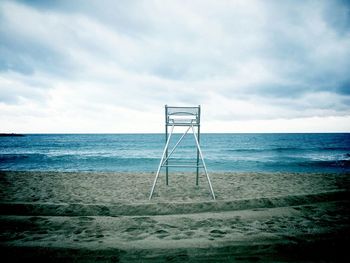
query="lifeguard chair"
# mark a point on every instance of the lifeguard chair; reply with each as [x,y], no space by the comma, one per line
[186,117]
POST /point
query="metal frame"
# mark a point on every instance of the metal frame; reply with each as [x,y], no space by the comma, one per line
[189,117]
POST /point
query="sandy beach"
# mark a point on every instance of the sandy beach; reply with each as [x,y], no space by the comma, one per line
[107,217]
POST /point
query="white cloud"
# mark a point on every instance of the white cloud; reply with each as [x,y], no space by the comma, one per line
[111,67]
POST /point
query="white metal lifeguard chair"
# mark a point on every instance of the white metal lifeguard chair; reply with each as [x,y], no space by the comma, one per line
[186,117]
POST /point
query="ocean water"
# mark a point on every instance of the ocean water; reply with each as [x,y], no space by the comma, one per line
[304,152]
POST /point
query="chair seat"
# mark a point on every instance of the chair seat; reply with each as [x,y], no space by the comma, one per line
[182,119]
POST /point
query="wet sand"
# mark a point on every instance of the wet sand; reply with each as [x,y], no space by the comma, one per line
[89,217]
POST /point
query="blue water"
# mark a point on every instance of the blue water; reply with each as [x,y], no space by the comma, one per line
[142,152]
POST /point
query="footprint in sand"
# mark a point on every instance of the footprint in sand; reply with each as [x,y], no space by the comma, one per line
[38,220]
[259,209]
[177,258]
[189,233]
[131,230]
[201,224]
[134,233]
[217,233]
[144,219]
[161,233]
[77,232]
[298,208]
[104,211]
[167,226]
[86,218]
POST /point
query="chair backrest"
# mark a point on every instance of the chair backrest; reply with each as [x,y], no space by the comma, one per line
[182,115]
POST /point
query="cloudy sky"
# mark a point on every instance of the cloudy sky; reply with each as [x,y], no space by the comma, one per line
[110,66]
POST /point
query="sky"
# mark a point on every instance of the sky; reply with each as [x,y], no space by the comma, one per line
[89,66]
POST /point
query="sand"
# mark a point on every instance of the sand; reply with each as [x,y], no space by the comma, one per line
[107,217]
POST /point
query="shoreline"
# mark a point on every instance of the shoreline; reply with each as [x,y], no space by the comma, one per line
[98,217]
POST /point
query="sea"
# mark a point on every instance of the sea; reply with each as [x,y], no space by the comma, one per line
[246,152]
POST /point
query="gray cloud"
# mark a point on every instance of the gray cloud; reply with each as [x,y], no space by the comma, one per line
[257,60]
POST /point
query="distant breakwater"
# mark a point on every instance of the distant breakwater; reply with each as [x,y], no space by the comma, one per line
[11,135]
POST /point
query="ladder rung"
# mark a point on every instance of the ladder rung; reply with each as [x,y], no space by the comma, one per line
[181,162]
[170,162]
[182,165]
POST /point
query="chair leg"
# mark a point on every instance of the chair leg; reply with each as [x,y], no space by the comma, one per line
[205,168]
[197,170]
[161,162]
